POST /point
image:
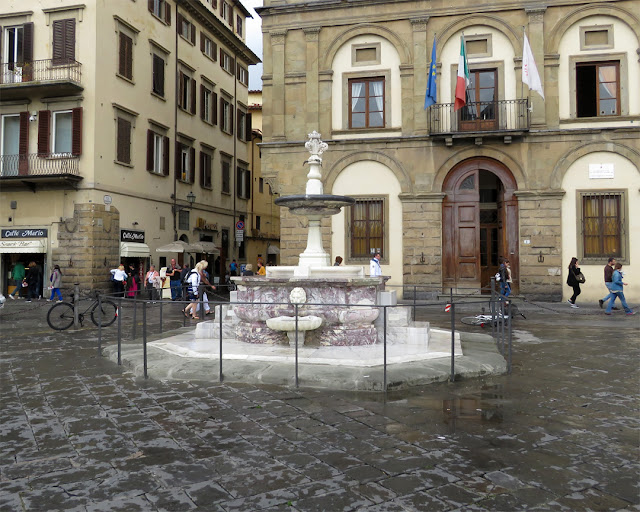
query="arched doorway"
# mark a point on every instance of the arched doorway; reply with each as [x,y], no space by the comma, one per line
[479,224]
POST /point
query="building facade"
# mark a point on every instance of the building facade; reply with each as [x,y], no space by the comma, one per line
[442,193]
[123,126]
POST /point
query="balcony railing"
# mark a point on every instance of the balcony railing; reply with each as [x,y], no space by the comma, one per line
[38,165]
[484,116]
[42,71]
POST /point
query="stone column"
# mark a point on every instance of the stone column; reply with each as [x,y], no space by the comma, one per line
[313,86]
[325,79]
[421,61]
[278,85]
[536,40]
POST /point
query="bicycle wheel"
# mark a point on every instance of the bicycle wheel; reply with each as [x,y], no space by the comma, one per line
[60,316]
[109,313]
[473,320]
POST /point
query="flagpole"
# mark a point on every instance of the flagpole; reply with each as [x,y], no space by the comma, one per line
[522,67]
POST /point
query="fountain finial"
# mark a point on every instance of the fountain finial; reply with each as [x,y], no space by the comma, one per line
[315,145]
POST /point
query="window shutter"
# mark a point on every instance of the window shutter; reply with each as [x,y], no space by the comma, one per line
[124,141]
[167,13]
[192,164]
[193,96]
[233,64]
[23,145]
[181,89]
[214,105]
[150,150]
[214,51]
[70,40]
[165,156]
[248,129]
[28,42]
[158,75]
[202,106]
[202,41]
[193,34]
[179,22]
[122,55]
[247,184]
[76,131]
[178,169]
[58,41]
[238,114]
[44,132]
[231,116]
[238,182]
[221,113]
[202,169]
[150,5]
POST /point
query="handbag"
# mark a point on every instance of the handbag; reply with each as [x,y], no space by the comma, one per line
[580,278]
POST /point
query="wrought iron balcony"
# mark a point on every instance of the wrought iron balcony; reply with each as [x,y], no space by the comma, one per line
[18,170]
[484,116]
[16,79]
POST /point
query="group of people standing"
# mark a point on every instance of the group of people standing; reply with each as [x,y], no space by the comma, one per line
[612,279]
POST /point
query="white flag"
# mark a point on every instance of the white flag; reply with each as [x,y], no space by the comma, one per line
[530,75]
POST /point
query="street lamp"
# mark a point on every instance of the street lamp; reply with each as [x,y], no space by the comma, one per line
[175,208]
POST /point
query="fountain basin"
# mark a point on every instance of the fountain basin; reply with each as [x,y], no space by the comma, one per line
[315,204]
[289,325]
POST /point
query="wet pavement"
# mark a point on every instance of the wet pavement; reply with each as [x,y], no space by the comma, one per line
[561,433]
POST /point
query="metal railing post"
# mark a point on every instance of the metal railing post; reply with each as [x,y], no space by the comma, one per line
[160,302]
[509,337]
[414,302]
[492,305]
[135,318]
[144,337]
[220,342]
[453,341]
[99,324]
[296,313]
[119,332]
[76,305]
[384,369]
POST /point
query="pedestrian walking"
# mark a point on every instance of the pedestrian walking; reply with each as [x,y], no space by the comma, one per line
[233,268]
[119,279]
[32,278]
[56,283]
[193,284]
[152,282]
[204,280]
[574,280]
[608,278]
[504,272]
[133,282]
[374,266]
[338,261]
[17,274]
[617,291]
[174,272]
[248,270]
[262,270]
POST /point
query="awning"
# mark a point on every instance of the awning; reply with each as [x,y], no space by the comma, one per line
[206,247]
[273,249]
[23,246]
[134,250]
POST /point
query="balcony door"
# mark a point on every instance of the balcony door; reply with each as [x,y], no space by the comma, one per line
[13,54]
[10,144]
[480,113]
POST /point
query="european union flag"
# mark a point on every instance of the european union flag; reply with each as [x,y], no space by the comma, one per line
[431,95]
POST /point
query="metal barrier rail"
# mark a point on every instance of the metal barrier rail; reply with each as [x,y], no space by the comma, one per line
[33,164]
[45,70]
[499,308]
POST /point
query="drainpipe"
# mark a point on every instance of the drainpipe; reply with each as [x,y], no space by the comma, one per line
[174,196]
[236,248]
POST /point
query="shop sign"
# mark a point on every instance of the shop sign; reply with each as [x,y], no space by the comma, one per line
[129,235]
[601,171]
[24,233]
[206,226]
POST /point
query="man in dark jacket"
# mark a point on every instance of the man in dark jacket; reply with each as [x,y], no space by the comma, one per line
[608,277]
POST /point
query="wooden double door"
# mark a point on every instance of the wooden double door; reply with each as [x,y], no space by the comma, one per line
[480,224]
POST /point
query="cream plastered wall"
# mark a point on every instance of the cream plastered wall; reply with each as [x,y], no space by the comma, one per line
[389,61]
[624,41]
[627,177]
[371,178]
[501,51]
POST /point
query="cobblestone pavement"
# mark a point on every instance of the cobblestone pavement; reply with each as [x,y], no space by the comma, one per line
[79,433]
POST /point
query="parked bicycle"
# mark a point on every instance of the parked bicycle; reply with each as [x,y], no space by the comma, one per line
[61,315]
[487,319]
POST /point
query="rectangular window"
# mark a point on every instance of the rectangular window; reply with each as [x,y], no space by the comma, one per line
[206,103]
[11,144]
[239,25]
[186,29]
[13,47]
[226,12]
[226,62]
[242,125]
[258,222]
[123,141]
[187,93]
[367,228]
[226,116]
[183,220]
[157,153]
[125,56]
[243,183]
[208,47]
[158,75]
[598,89]
[185,163]
[603,225]
[366,102]
[205,169]
[243,75]
[261,185]
[226,175]
[64,41]
[161,9]
[62,132]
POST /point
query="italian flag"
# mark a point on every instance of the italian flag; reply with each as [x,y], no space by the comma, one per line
[463,78]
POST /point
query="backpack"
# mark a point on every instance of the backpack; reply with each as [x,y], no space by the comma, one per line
[185,280]
[113,278]
[498,277]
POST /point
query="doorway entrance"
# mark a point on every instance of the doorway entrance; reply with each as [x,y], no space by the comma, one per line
[480,225]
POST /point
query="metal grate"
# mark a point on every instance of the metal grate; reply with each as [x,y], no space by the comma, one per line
[602,224]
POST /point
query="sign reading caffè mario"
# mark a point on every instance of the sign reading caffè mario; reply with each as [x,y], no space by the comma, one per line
[24,233]
[129,235]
